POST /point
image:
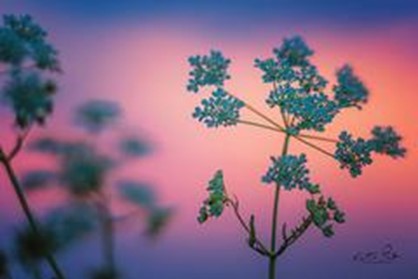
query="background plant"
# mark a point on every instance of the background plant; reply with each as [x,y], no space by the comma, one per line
[88,172]
[306,104]
[27,64]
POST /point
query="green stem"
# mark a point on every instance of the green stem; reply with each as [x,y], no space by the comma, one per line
[107,235]
[27,211]
[272,258]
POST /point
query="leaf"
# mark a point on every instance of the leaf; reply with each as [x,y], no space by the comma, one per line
[320,216]
[134,147]
[96,115]
[70,224]
[339,217]
[331,204]
[311,205]
[328,231]
[157,220]
[37,179]
[137,193]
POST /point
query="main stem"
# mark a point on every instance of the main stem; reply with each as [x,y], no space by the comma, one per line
[28,213]
[273,257]
[107,234]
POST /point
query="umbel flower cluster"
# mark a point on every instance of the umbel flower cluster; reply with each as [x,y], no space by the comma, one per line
[25,56]
[307,103]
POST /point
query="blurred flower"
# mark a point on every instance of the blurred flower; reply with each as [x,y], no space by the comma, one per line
[96,115]
[349,91]
[385,140]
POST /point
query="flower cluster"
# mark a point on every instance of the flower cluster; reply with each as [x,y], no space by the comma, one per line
[26,54]
[220,109]
[95,115]
[214,205]
[298,87]
[353,154]
[30,97]
[324,213]
[385,140]
[21,40]
[208,70]
[294,50]
[288,171]
[310,112]
[82,169]
[350,91]
[273,70]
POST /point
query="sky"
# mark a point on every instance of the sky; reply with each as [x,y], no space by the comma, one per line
[135,53]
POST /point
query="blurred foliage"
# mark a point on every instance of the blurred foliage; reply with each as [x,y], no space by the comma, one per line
[87,171]
[26,57]
[96,115]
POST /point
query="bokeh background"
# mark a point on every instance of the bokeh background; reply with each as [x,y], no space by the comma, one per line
[135,52]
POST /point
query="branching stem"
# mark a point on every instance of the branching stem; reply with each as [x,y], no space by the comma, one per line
[27,211]
[259,247]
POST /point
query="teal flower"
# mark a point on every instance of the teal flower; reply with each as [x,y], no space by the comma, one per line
[350,91]
[220,109]
[353,154]
[289,172]
[385,140]
[30,97]
[294,50]
[208,70]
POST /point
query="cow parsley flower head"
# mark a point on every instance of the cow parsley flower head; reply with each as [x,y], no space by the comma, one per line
[385,140]
[220,109]
[289,171]
[294,50]
[350,91]
[208,70]
[353,154]
[311,111]
[21,39]
[274,71]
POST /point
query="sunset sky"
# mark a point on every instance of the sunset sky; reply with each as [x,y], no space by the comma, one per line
[135,53]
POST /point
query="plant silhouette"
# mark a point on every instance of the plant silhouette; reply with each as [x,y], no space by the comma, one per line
[87,170]
[27,64]
[305,104]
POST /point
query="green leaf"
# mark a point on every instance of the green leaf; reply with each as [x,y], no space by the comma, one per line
[331,204]
[311,205]
[320,216]
[70,224]
[137,193]
[328,231]
[96,115]
[313,189]
[213,206]
[134,147]
[339,217]
[157,220]
[37,179]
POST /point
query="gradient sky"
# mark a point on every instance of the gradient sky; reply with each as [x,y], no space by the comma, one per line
[136,52]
